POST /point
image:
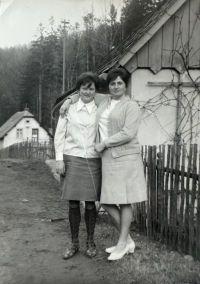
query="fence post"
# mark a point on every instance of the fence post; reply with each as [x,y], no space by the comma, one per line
[182,194]
[186,239]
[154,193]
[167,195]
[159,194]
[144,204]
[175,197]
[149,192]
[171,197]
[191,207]
[198,219]
[162,193]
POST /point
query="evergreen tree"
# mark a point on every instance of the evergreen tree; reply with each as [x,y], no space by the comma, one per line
[135,11]
[11,62]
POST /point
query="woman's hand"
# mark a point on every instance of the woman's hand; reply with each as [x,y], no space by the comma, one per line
[65,107]
[100,147]
[60,167]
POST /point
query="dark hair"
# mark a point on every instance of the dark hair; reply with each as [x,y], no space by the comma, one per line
[117,72]
[87,78]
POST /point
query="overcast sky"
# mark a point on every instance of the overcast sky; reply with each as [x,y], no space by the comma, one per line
[19,19]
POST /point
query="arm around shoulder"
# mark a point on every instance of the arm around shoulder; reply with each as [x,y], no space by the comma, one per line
[99,98]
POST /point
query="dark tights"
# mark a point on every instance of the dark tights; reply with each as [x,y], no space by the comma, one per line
[88,204]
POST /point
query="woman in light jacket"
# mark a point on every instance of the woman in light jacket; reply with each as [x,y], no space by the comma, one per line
[123,182]
[79,162]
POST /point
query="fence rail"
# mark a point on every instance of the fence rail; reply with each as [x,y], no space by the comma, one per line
[29,150]
[172,212]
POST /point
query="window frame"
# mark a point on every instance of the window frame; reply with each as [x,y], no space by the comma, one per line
[35,138]
[19,132]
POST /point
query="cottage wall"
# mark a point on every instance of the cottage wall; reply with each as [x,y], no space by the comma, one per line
[11,137]
[159,107]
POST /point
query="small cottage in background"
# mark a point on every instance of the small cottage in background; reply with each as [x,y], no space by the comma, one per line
[163,58]
[23,126]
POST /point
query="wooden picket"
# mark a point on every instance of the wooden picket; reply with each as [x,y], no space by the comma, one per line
[182,192]
[198,218]
[172,211]
[26,150]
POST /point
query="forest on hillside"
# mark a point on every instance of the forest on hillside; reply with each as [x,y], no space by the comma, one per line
[31,76]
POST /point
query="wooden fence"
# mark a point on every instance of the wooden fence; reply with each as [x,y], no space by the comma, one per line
[172,212]
[29,150]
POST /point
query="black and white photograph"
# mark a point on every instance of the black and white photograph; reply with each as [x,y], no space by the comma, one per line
[100,141]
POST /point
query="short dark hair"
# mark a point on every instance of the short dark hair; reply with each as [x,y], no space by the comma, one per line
[118,72]
[87,78]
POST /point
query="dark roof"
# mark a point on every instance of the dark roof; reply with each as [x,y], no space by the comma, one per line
[117,53]
[12,121]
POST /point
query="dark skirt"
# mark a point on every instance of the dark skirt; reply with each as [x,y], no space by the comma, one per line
[82,179]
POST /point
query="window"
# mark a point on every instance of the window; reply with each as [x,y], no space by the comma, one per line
[34,135]
[19,132]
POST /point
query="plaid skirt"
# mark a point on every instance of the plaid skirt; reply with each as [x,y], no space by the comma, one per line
[82,180]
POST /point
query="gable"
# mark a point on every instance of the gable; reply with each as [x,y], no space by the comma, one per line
[175,45]
[159,41]
[12,121]
[33,123]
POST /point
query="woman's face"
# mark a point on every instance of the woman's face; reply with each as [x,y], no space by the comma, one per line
[117,88]
[87,92]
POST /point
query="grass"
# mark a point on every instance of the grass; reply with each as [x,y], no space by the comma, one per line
[150,263]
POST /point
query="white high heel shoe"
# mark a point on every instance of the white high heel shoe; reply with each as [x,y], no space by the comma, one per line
[116,256]
[110,250]
[131,248]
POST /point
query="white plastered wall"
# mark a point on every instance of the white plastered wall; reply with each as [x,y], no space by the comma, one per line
[159,120]
[11,137]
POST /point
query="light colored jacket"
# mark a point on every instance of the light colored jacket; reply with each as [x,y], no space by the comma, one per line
[76,132]
[123,124]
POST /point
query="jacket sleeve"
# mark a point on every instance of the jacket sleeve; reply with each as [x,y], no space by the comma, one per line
[99,98]
[130,129]
[59,138]
[74,98]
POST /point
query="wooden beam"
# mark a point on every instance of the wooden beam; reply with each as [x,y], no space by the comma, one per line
[174,84]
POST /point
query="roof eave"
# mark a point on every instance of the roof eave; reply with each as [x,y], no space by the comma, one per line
[13,125]
[148,35]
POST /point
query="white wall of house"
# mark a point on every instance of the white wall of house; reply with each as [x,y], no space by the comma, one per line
[159,120]
[26,124]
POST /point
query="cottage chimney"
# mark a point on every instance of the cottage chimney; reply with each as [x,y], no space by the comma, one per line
[26,108]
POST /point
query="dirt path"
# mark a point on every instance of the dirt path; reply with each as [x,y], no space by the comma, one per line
[31,244]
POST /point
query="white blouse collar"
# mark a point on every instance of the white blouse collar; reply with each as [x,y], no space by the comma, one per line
[88,106]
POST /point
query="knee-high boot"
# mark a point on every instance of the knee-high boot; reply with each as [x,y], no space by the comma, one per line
[74,220]
[90,220]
